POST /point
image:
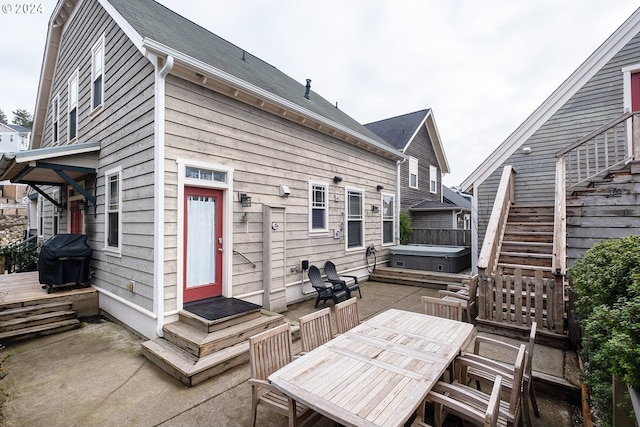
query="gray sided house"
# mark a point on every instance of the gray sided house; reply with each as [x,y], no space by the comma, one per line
[195,168]
[416,135]
[572,155]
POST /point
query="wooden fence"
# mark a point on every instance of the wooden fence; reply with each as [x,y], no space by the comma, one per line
[440,237]
[516,301]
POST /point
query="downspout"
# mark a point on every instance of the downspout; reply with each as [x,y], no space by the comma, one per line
[398,163]
[158,232]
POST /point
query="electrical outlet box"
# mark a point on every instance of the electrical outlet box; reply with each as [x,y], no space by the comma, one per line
[130,285]
[337,233]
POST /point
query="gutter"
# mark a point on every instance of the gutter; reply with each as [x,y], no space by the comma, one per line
[158,197]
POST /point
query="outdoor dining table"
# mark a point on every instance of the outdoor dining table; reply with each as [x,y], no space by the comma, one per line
[377,373]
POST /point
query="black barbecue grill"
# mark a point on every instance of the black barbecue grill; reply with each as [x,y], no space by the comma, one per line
[64,259]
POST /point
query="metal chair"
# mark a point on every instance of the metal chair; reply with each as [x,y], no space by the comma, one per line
[315,329]
[268,352]
[347,315]
[341,279]
[326,290]
[442,308]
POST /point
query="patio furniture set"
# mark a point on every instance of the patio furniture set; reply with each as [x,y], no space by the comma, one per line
[386,370]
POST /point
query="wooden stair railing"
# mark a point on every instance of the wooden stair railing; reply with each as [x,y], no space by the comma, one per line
[488,259]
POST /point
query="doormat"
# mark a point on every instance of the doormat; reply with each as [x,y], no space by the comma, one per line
[219,307]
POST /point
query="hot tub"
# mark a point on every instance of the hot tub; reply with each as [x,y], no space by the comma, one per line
[446,259]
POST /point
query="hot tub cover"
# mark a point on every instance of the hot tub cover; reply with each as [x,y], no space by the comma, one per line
[428,250]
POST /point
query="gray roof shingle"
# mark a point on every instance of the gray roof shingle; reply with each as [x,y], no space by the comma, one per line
[397,131]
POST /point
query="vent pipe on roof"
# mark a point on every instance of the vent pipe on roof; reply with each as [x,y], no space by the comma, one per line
[306,92]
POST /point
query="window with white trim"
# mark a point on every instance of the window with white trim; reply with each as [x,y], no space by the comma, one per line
[318,207]
[355,219]
[413,172]
[113,209]
[97,74]
[433,179]
[388,219]
[72,99]
[55,119]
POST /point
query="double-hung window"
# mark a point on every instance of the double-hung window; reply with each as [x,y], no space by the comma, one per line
[55,119]
[355,219]
[97,74]
[413,172]
[433,179]
[113,209]
[72,99]
[318,207]
[388,223]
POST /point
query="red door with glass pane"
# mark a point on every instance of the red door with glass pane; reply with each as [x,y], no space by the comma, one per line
[202,243]
[76,217]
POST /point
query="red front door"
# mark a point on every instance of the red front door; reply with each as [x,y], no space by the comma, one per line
[76,217]
[635,92]
[202,243]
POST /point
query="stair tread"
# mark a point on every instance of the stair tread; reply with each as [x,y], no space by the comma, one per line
[30,308]
[40,328]
[524,267]
[185,362]
[526,254]
[524,243]
[42,316]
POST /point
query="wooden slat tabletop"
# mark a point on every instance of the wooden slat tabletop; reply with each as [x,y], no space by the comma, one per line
[377,373]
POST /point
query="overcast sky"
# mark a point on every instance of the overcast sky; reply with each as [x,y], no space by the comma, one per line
[483,66]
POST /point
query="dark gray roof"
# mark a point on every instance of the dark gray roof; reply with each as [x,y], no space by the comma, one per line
[451,201]
[455,198]
[19,129]
[398,130]
[156,22]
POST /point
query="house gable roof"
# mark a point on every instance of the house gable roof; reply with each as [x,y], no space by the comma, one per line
[400,132]
[451,201]
[201,55]
[555,101]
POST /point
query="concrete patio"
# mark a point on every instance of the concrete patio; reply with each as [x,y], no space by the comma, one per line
[96,376]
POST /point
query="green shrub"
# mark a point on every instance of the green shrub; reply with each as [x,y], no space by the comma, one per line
[606,281]
[405,227]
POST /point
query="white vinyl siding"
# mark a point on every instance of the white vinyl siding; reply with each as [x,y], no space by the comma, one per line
[97,74]
[413,172]
[318,207]
[433,179]
[355,218]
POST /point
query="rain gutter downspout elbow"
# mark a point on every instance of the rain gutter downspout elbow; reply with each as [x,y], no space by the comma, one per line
[159,205]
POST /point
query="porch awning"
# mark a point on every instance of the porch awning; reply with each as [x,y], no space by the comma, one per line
[59,165]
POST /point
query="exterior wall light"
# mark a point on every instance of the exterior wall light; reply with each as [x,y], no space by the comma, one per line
[245,200]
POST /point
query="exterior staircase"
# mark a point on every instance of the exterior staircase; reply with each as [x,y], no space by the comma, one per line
[36,320]
[194,349]
[428,279]
[527,242]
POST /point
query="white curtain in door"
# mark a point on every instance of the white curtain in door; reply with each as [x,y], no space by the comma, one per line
[201,240]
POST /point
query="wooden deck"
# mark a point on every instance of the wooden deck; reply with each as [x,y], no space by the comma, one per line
[24,289]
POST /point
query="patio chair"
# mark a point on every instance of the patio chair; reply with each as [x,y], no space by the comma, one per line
[465,294]
[505,348]
[315,329]
[468,398]
[268,352]
[442,308]
[347,315]
[326,290]
[478,413]
[341,279]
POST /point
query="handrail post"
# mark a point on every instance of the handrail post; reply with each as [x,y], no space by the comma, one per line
[635,136]
[559,261]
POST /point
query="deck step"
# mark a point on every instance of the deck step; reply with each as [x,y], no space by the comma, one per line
[411,277]
[41,330]
[201,344]
[31,310]
[187,368]
[35,320]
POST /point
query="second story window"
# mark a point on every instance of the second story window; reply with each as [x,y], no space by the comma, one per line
[55,119]
[97,74]
[413,172]
[318,209]
[73,107]
[433,179]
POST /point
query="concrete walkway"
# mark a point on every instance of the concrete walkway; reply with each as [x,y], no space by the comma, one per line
[96,376]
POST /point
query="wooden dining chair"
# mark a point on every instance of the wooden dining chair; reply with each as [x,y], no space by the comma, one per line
[315,329]
[268,352]
[468,398]
[442,308]
[505,349]
[347,315]
[465,294]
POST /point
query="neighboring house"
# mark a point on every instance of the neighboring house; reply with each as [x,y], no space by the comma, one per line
[195,168]
[416,135]
[14,138]
[592,198]
[453,212]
